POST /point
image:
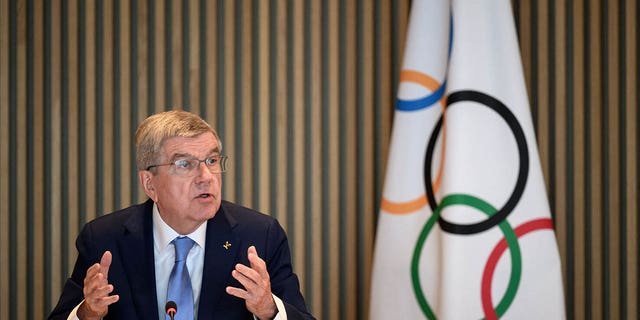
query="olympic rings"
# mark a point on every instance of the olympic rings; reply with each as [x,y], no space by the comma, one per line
[495,216]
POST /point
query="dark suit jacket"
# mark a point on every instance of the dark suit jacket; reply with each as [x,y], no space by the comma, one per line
[128,234]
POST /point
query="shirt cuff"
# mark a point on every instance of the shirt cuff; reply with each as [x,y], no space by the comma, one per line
[282,313]
[74,313]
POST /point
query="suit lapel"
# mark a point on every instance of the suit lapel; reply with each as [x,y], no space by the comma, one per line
[221,251]
[136,247]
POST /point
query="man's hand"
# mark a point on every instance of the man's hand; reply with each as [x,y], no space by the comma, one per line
[96,290]
[255,280]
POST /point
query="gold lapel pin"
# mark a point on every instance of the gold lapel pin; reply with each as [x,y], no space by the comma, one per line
[226,245]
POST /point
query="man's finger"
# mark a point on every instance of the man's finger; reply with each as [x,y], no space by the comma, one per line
[257,263]
[245,281]
[250,273]
[100,303]
[252,249]
[92,271]
[108,300]
[93,279]
[237,292]
[105,263]
[103,291]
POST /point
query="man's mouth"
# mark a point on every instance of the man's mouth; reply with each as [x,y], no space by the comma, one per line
[204,195]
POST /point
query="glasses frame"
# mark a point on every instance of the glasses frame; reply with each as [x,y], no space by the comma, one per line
[222,160]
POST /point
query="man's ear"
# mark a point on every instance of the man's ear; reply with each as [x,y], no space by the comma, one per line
[146,181]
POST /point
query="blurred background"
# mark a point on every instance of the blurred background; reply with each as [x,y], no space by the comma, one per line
[302,94]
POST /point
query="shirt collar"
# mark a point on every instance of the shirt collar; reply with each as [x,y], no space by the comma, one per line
[163,234]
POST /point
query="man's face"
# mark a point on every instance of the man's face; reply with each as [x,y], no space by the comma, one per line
[185,201]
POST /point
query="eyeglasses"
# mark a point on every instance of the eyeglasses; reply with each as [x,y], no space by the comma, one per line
[189,167]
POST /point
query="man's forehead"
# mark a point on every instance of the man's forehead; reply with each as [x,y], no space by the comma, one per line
[205,143]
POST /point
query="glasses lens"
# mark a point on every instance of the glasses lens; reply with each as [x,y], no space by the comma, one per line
[216,164]
[185,166]
[189,167]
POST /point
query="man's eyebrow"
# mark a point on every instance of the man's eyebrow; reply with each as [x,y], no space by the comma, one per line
[181,155]
[215,150]
[177,156]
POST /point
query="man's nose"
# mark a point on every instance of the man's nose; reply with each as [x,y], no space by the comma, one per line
[203,170]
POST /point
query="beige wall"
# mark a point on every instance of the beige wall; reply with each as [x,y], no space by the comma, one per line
[582,72]
[302,95]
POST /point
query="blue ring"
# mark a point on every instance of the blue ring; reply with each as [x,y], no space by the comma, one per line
[422,103]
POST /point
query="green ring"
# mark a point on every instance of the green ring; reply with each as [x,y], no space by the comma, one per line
[509,234]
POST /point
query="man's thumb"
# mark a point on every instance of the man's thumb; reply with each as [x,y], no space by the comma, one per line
[105,263]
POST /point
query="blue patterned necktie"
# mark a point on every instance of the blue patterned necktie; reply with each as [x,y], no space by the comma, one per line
[179,289]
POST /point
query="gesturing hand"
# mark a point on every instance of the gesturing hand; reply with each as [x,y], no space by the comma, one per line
[96,290]
[257,293]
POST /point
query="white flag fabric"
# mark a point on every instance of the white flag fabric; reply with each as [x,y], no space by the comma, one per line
[465,229]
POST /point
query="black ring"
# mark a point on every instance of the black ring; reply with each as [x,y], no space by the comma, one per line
[512,122]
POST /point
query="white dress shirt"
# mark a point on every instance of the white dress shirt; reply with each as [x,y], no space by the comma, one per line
[164,255]
[164,258]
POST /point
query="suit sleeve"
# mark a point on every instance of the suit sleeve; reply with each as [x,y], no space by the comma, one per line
[284,283]
[72,293]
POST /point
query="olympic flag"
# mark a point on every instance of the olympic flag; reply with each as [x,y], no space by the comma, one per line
[465,229]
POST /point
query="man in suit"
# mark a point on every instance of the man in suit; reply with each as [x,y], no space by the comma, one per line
[235,261]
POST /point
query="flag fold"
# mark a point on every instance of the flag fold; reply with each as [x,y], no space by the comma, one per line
[464,229]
